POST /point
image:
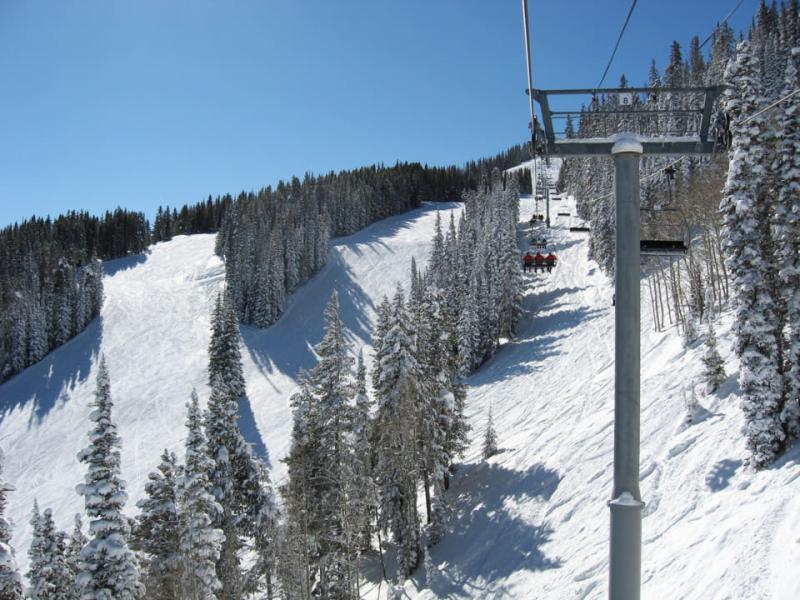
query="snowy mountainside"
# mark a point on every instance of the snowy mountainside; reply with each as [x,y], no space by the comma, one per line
[531,522]
[154,332]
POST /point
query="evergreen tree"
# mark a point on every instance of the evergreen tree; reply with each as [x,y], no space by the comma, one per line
[398,393]
[10,581]
[49,575]
[236,477]
[75,546]
[748,245]
[490,438]
[35,550]
[788,239]
[156,533]
[363,494]
[322,461]
[108,567]
[714,367]
[200,541]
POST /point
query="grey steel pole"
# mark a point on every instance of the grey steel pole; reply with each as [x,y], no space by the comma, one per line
[547,200]
[626,503]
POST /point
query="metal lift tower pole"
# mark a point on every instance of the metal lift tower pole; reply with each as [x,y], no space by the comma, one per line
[626,504]
[626,148]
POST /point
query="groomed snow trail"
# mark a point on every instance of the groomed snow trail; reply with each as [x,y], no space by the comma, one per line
[531,522]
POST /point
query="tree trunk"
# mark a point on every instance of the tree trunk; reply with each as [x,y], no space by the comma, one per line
[426,483]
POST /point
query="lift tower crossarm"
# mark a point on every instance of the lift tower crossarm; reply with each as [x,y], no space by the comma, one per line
[697,144]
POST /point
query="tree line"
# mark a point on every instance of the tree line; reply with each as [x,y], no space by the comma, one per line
[51,283]
[273,241]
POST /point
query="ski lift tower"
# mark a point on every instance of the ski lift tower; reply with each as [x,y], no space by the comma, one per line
[677,132]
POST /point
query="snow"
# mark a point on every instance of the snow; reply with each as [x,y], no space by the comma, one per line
[626,142]
[531,521]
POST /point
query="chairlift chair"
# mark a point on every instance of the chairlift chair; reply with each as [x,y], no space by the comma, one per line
[666,247]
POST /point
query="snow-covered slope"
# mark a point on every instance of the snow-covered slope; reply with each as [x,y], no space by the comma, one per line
[531,522]
[154,332]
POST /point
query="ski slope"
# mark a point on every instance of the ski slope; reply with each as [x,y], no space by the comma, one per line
[531,522]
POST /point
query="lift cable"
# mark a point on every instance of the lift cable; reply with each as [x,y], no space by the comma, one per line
[616,46]
[529,63]
[528,57]
[725,20]
[771,106]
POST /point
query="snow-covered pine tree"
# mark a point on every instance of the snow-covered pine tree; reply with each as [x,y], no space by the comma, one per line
[692,405]
[436,405]
[788,239]
[468,331]
[156,533]
[108,567]
[363,495]
[200,541]
[34,551]
[10,580]
[330,386]
[262,528]
[490,438]
[236,478]
[298,547]
[398,392]
[49,576]
[77,540]
[745,211]
[713,365]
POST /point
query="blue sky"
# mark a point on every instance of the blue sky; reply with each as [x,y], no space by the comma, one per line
[109,102]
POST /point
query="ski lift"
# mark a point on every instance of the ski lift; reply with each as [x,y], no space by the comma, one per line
[662,248]
[666,247]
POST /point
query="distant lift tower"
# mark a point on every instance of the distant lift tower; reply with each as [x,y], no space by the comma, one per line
[626,147]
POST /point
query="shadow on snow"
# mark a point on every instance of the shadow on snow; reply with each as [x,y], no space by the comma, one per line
[287,346]
[51,380]
[481,496]
[112,267]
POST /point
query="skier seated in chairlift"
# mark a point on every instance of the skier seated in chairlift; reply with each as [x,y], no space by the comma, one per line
[550,260]
[527,262]
[539,260]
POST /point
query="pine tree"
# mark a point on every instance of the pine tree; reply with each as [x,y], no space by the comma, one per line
[49,575]
[363,493]
[788,239]
[299,548]
[398,393]
[714,367]
[108,567]
[236,477]
[157,534]
[490,438]
[72,553]
[328,456]
[200,541]
[748,245]
[10,581]
[35,550]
